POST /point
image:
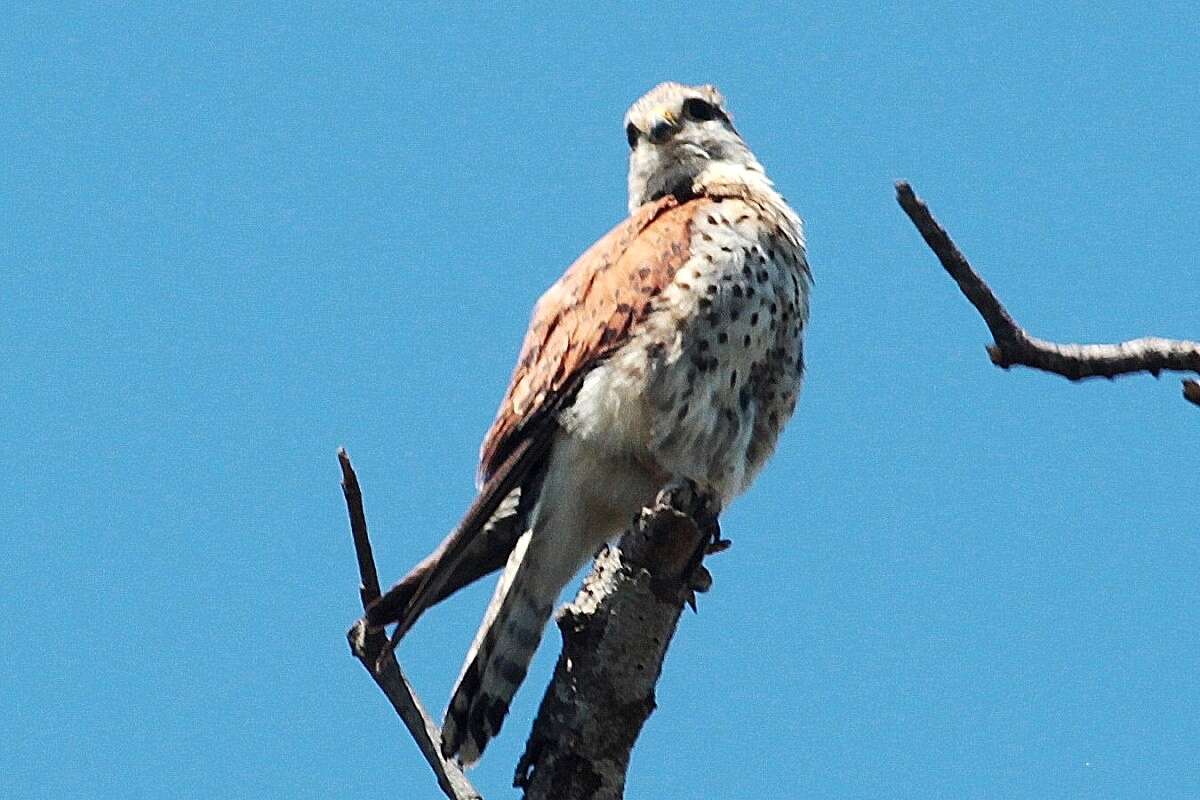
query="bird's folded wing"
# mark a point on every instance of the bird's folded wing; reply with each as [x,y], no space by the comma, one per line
[586,315]
[581,319]
[485,554]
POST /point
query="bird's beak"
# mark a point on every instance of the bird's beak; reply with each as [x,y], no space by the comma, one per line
[665,124]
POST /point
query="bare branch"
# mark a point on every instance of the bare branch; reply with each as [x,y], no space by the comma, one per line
[615,636]
[370,647]
[1013,346]
[368,588]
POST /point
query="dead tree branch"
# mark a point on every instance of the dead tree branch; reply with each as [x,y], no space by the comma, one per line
[1014,346]
[615,636]
[370,647]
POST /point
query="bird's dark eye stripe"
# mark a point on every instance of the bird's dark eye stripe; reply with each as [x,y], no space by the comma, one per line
[700,110]
[632,134]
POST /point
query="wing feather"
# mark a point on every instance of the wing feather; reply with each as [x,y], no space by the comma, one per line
[582,318]
[585,316]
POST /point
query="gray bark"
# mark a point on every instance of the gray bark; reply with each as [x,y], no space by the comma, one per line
[1014,346]
[371,648]
[615,637]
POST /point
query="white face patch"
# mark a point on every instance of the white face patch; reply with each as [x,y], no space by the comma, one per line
[677,133]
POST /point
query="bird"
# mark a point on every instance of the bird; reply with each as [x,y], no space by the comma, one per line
[672,349]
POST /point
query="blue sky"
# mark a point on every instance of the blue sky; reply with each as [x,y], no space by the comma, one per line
[238,236]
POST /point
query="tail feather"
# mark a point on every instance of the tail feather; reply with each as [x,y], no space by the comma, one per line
[504,646]
[522,463]
[566,525]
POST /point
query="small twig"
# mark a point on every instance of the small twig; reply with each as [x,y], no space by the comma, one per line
[368,589]
[1014,346]
[615,636]
[368,645]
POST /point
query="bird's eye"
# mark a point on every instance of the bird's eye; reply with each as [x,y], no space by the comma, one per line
[700,110]
[632,134]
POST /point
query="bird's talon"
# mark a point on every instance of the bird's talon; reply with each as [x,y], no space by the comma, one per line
[717,545]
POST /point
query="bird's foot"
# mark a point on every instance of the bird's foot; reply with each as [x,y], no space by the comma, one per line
[702,505]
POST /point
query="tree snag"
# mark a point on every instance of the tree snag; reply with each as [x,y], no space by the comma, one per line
[1012,345]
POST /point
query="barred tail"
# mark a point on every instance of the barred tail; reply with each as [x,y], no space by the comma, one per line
[504,646]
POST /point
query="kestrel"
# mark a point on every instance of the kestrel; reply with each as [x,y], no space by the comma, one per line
[672,349]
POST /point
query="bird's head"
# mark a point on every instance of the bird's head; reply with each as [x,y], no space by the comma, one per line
[681,141]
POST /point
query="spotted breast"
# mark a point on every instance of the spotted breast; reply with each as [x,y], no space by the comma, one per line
[706,381]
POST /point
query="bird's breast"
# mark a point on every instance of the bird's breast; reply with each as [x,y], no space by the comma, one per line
[706,382]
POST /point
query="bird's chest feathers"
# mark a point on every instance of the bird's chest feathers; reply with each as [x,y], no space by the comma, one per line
[723,341]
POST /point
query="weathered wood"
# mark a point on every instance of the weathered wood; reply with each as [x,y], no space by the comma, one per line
[615,636]
[1014,346]
[370,646]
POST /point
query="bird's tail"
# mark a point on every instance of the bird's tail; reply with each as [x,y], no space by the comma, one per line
[500,655]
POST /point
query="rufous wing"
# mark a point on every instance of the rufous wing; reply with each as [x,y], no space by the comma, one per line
[586,315]
[583,317]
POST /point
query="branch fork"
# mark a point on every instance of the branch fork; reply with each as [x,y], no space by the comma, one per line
[615,636]
[1013,346]
[370,646]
